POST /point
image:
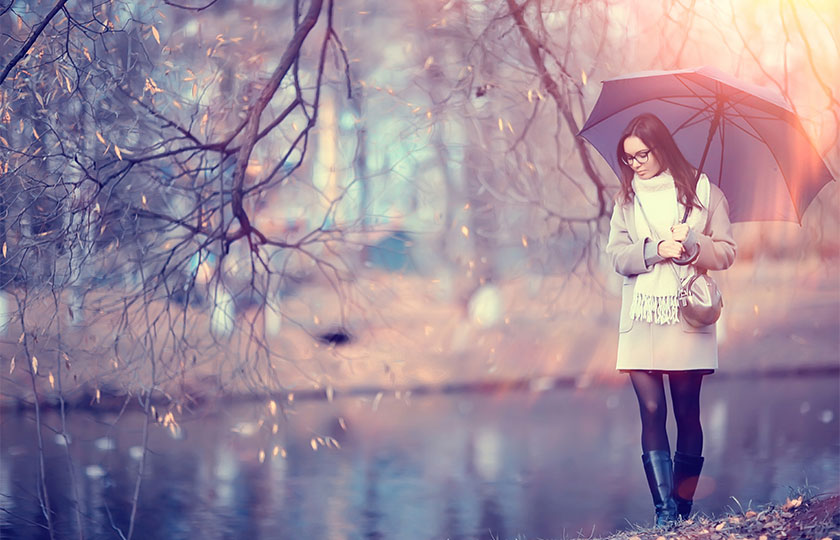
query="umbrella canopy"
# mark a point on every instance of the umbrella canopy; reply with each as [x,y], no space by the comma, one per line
[746,138]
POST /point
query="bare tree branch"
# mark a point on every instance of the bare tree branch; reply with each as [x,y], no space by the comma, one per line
[190,8]
[254,114]
[517,12]
[31,41]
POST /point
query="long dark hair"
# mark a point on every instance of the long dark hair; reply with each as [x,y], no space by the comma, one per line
[650,129]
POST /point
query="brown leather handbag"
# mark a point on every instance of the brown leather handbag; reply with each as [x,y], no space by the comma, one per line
[700,301]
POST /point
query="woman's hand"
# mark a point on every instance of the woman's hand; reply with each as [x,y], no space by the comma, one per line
[669,249]
[680,232]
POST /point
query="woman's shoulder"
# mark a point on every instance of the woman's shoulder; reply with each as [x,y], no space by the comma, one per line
[717,200]
[621,201]
[715,194]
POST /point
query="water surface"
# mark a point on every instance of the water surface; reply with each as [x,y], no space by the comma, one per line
[551,464]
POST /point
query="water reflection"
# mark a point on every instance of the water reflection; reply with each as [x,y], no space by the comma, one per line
[551,464]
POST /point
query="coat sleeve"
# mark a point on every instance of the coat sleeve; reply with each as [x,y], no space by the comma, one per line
[626,256]
[717,248]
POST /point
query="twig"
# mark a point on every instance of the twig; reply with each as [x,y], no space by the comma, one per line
[31,41]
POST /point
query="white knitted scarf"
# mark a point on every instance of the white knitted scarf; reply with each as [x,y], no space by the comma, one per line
[655,292]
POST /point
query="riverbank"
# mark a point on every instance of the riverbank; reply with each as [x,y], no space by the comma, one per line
[404,334]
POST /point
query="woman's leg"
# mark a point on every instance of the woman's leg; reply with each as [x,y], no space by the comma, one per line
[656,453]
[650,391]
[685,393]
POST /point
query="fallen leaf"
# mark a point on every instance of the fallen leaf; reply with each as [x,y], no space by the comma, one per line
[157,38]
[792,503]
[720,525]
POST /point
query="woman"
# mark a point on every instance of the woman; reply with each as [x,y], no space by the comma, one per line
[659,190]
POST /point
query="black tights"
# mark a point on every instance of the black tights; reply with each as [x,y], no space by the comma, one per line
[685,394]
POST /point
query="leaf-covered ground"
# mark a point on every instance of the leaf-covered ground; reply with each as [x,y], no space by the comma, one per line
[796,519]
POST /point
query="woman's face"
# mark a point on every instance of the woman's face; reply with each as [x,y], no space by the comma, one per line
[640,158]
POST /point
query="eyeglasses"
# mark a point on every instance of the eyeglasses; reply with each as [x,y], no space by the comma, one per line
[641,157]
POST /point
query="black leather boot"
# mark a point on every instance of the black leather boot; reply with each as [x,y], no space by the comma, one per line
[686,474]
[660,477]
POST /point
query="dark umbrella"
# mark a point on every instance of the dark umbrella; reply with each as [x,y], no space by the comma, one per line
[746,138]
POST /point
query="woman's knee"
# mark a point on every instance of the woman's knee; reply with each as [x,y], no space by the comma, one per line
[688,418]
[653,411]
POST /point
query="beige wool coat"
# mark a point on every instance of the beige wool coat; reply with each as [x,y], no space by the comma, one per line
[669,347]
